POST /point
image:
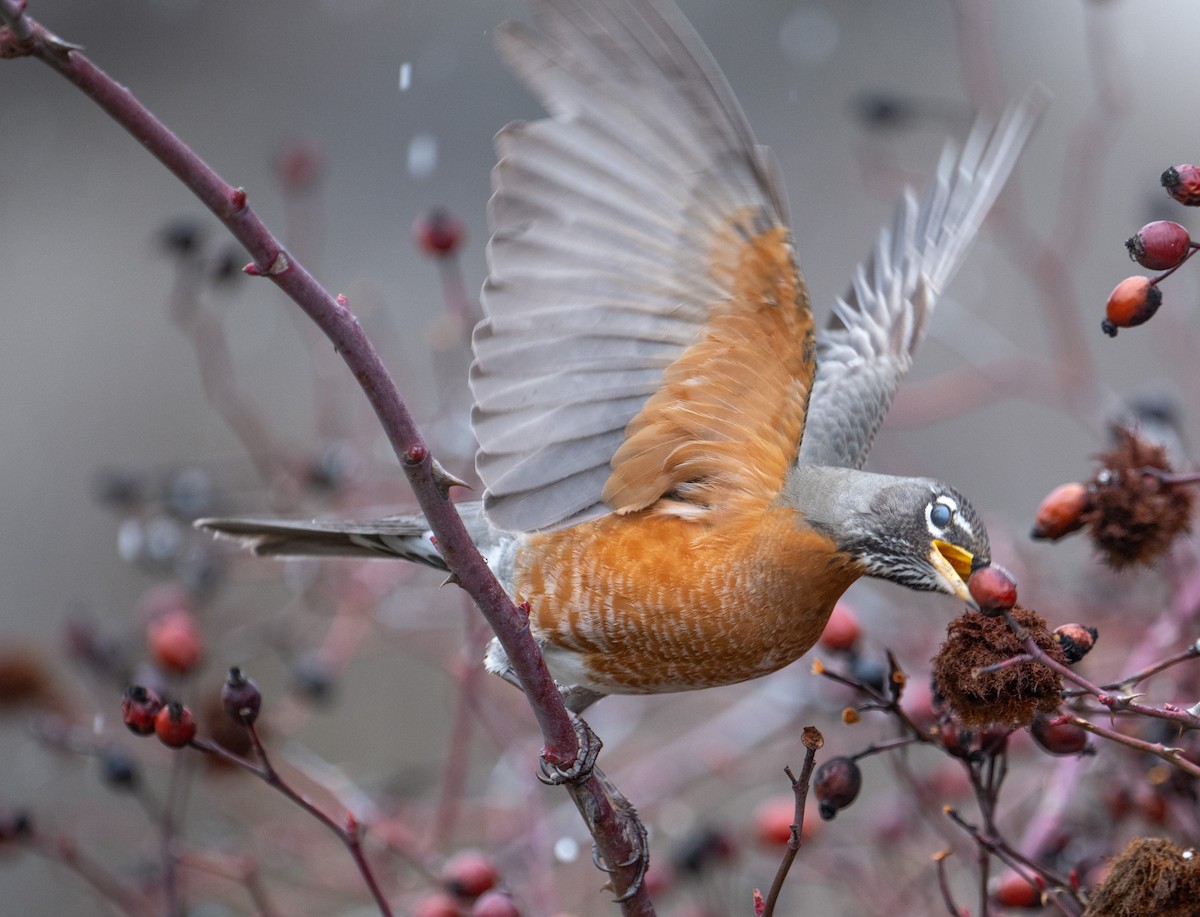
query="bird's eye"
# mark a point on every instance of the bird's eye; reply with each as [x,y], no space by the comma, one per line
[940,514]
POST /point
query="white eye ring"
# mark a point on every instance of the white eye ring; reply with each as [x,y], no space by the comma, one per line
[940,513]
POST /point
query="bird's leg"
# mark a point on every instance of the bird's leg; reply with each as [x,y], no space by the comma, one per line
[635,836]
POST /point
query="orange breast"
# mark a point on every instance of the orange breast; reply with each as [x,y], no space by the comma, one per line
[652,602]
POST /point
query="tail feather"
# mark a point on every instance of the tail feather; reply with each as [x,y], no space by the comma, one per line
[406,536]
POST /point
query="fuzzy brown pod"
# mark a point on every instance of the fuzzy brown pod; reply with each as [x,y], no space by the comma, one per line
[1134,516]
[1010,696]
[1151,876]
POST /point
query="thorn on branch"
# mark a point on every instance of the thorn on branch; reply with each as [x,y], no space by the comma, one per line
[445,480]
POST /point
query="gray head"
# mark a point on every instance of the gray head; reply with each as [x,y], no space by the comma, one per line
[918,532]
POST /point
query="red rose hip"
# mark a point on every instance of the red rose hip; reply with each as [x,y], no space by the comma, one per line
[1183,184]
[1160,245]
[993,589]
[1132,302]
[1061,512]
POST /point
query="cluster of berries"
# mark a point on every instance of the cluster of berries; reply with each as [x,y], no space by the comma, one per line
[1159,246]
[145,712]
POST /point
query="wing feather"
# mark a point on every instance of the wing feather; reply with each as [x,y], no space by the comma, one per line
[645,321]
[875,328]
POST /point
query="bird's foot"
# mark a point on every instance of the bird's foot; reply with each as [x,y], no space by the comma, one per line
[636,836]
[583,765]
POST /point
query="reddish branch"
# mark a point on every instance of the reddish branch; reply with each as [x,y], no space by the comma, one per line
[24,37]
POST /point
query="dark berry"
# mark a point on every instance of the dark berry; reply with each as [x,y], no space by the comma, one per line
[835,785]
[1058,737]
[118,769]
[870,671]
[702,850]
[240,697]
[312,679]
[182,236]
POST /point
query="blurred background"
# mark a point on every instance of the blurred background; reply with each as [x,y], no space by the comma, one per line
[346,121]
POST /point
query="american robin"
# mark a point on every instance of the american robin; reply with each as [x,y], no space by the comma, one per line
[671,454]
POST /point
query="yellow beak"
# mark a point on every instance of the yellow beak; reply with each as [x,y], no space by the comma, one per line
[954,565]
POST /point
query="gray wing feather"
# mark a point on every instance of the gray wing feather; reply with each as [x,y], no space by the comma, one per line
[603,220]
[875,328]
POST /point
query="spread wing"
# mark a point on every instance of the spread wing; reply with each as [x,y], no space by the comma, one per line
[647,340]
[875,328]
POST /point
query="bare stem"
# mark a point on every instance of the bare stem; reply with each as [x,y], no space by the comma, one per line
[992,843]
[939,858]
[1167,753]
[349,834]
[812,741]
[1130,681]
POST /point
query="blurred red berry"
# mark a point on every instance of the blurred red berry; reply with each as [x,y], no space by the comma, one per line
[918,702]
[835,785]
[139,707]
[773,818]
[240,697]
[1160,245]
[842,630]
[174,641]
[994,589]
[438,232]
[957,739]
[1061,512]
[1133,301]
[1183,184]
[659,879]
[1058,737]
[495,904]
[300,165]
[1014,890]
[1076,640]
[1152,804]
[469,873]
[439,904]
[703,850]
[175,726]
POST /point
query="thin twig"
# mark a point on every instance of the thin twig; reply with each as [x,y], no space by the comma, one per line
[1192,652]
[939,859]
[1168,753]
[813,740]
[349,834]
